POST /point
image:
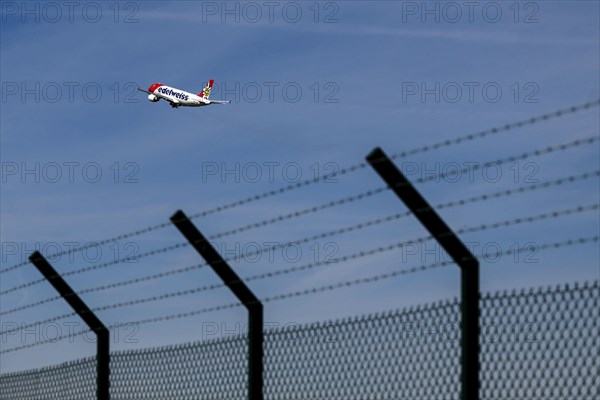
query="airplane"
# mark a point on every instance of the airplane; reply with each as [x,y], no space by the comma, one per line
[177,97]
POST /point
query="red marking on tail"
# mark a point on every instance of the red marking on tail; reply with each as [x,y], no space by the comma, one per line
[206,91]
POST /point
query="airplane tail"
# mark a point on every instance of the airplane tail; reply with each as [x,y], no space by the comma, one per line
[206,91]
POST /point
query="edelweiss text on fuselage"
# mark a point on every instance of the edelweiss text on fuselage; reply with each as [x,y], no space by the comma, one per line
[173,93]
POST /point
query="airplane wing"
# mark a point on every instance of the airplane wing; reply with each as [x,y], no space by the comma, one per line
[143,90]
[220,101]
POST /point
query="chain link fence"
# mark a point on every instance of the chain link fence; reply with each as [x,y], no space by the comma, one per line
[536,344]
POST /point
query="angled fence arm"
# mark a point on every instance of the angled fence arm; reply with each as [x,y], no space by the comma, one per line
[460,254]
[102,333]
[241,291]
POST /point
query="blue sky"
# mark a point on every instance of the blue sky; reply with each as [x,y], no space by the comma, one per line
[345,77]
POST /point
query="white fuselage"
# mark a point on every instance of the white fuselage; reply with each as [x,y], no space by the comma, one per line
[179,97]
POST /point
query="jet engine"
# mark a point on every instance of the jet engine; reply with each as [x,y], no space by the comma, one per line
[153,98]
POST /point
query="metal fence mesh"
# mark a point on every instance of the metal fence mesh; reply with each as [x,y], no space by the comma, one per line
[536,344]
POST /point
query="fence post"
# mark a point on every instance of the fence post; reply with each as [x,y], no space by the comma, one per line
[241,291]
[460,254]
[102,333]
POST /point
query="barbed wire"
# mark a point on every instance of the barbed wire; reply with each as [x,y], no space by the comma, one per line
[421,268]
[360,196]
[423,149]
[359,226]
[345,200]
[365,253]
[325,288]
